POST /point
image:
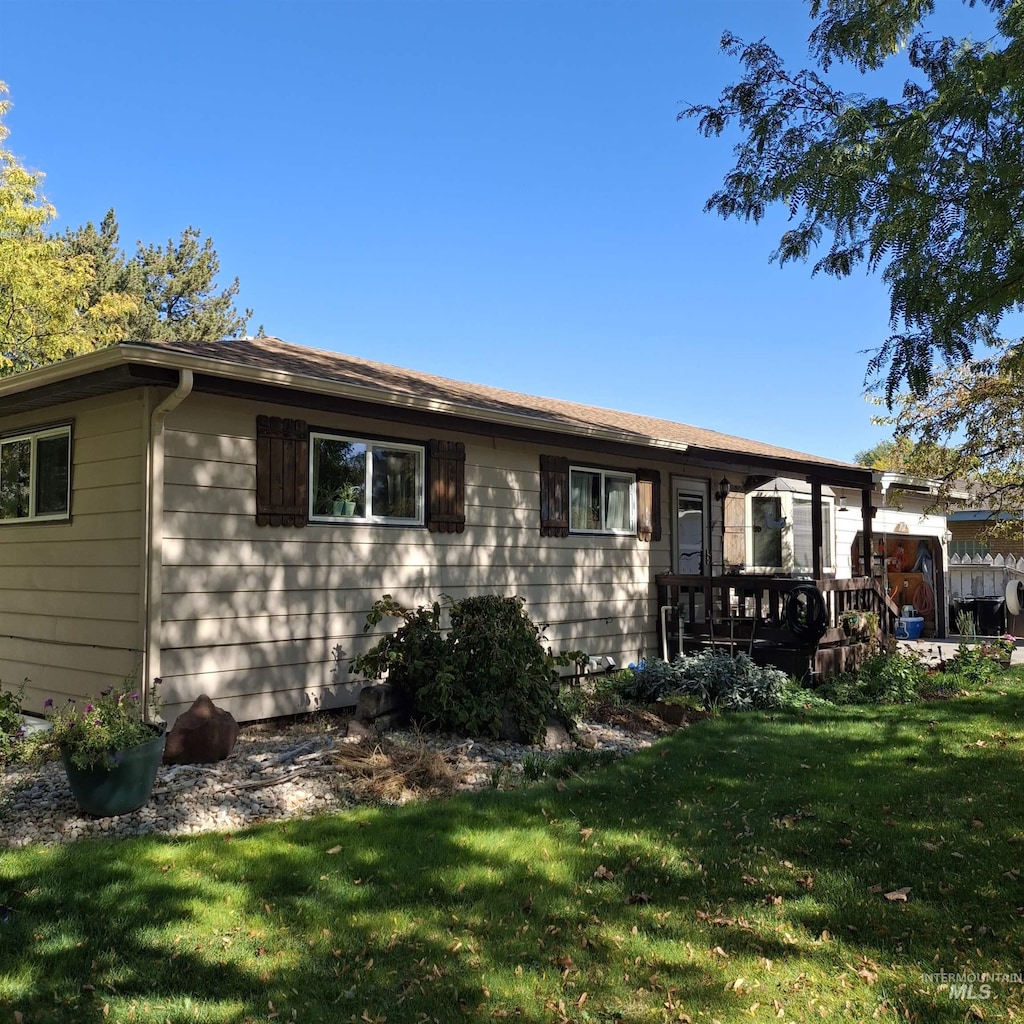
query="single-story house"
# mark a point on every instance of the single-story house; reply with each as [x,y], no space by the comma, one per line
[222,516]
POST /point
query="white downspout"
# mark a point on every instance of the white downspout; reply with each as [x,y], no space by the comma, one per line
[153,544]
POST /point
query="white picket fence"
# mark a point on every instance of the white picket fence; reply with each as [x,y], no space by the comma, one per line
[977,576]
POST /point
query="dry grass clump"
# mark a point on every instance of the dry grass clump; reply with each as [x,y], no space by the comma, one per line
[635,720]
[382,771]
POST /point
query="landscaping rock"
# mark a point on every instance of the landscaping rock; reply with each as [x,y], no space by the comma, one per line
[202,735]
[381,699]
[359,730]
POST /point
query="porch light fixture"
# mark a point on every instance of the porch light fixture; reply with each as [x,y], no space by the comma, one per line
[724,487]
[842,503]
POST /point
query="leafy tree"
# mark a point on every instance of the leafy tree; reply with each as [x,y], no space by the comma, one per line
[885,455]
[174,287]
[47,312]
[926,187]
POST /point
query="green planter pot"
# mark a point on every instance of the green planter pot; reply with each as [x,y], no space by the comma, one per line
[122,788]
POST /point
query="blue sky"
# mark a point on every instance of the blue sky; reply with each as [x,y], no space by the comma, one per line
[492,190]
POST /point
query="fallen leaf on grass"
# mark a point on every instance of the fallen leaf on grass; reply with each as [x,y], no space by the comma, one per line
[898,895]
[638,897]
[603,873]
[718,951]
[334,849]
[585,834]
[867,975]
[945,889]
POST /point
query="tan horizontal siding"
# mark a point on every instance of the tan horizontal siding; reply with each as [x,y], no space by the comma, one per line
[250,610]
[66,630]
[60,550]
[69,592]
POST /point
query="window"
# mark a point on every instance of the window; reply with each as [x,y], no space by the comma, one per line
[779,532]
[35,475]
[601,501]
[356,480]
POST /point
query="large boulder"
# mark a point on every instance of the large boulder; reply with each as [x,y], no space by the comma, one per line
[202,735]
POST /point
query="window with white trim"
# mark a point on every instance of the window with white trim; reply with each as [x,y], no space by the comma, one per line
[35,475]
[779,532]
[359,480]
[601,501]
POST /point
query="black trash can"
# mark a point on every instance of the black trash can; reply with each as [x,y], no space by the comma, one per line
[961,606]
[990,615]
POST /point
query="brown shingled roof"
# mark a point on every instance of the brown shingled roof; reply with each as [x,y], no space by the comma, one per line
[272,355]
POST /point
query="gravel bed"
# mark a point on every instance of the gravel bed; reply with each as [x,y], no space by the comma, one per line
[275,772]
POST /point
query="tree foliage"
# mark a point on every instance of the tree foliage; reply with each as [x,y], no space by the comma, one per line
[886,455]
[967,435]
[65,295]
[174,287]
[926,188]
[48,310]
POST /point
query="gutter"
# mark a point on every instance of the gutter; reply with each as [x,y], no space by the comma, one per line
[153,534]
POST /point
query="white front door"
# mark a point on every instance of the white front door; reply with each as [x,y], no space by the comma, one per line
[692,543]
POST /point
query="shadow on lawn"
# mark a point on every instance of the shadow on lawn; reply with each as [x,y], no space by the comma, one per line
[732,843]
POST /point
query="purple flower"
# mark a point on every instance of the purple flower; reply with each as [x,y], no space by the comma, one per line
[88,708]
[48,703]
[135,696]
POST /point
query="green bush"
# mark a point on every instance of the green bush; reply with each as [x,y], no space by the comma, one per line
[889,677]
[490,669]
[972,665]
[12,732]
[715,678]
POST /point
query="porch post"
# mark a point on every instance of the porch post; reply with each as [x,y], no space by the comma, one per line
[867,514]
[816,531]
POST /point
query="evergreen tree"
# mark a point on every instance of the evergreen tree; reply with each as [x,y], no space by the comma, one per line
[173,287]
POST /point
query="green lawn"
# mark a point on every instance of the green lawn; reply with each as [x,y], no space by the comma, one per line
[751,867]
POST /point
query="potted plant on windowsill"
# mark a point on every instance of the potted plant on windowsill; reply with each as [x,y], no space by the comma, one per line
[344,500]
[109,749]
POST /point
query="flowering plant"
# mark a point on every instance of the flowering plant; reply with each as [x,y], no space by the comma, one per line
[93,735]
[1000,648]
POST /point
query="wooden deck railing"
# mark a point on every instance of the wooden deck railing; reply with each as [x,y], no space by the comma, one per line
[698,599]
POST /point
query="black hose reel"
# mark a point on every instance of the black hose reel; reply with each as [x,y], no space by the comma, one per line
[806,615]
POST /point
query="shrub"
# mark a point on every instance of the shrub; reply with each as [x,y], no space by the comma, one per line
[972,665]
[649,681]
[889,677]
[715,678]
[12,732]
[489,670]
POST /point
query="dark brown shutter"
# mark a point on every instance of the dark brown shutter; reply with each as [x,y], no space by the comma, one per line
[554,496]
[282,471]
[446,483]
[648,504]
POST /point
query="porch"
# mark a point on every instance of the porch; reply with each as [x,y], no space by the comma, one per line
[794,624]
